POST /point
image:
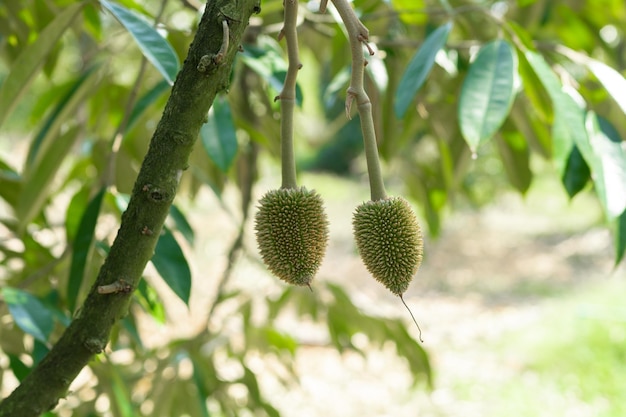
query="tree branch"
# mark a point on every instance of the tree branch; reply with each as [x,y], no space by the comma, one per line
[358,36]
[155,188]
[287,95]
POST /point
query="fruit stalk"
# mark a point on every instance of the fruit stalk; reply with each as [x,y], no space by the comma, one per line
[287,96]
[358,35]
[291,226]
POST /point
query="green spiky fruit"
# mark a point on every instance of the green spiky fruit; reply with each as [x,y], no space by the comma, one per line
[292,233]
[389,240]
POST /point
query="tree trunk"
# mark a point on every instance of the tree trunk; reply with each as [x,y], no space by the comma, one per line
[205,73]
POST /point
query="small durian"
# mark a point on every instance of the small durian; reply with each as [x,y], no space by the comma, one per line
[292,233]
[389,240]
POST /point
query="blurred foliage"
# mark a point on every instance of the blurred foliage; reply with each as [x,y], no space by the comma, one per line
[465,94]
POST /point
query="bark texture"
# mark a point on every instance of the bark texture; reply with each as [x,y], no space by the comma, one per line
[205,73]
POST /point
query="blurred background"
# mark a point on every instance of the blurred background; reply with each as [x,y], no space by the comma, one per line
[500,121]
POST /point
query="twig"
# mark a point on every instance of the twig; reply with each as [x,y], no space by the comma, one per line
[358,35]
[287,96]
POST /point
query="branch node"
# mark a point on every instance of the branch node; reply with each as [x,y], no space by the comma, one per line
[215,59]
[240,48]
[94,345]
[204,63]
[119,286]
[351,95]
[363,38]
[155,194]
[146,231]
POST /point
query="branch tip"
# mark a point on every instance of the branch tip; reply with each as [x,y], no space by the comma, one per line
[224,48]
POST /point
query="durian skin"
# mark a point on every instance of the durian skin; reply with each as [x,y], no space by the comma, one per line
[292,233]
[389,240]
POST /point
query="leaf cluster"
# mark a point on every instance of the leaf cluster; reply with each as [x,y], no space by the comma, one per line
[457,88]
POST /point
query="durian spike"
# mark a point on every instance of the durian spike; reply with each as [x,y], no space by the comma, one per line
[413,317]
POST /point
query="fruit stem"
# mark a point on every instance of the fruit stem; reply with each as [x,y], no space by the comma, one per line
[413,317]
[287,96]
[358,35]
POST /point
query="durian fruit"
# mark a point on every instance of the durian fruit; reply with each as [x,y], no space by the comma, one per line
[389,241]
[292,233]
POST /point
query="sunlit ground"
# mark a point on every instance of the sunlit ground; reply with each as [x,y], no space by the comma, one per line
[521,311]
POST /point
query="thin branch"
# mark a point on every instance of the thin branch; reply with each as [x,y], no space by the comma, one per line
[358,36]
[247,181]
[287,96]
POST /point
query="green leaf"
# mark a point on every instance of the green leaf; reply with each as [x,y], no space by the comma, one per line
[408,10]
[413,351]
[611,80]
[218,135]
[30,314]
[81,247]
[74,212]
[607,160]
[266,59]
[201,386]
[130,326]
[154,47]
[522,34]
[65,108]
[146,101]
[534,90]
[419,68]
[149,299]
[49,149]
[182,225]
[10,184]
[576,174]
[515,156]
[121,394]
[568,127]
[280,341]
[25,67]
[250,381]
[19,368]
[620,238]
[40,350]
[169,260]
[38,178]
[488,92]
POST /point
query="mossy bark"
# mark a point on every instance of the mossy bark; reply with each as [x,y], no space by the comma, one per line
[200,79]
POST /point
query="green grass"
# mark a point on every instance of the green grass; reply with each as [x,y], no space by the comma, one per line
[573,361]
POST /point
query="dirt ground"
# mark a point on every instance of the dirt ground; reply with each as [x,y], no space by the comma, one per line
[493,273]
